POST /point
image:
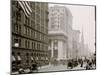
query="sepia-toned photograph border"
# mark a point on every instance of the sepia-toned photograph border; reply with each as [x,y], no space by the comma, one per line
[52,37]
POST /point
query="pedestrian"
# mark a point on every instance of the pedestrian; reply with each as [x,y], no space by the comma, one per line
[21,70]
[89,65]
[70,64]
[81,63]
[34,67]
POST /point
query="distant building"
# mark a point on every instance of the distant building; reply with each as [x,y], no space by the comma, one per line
[29,34]
[76,45]
[82,45]
[60,28]
[84,50]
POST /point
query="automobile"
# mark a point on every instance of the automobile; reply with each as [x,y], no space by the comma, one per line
[34,67]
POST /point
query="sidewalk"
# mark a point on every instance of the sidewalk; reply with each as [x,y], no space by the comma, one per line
[79,68]
[46,66]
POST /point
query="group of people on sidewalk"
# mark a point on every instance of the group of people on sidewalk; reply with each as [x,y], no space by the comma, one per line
[87,64]
[17,67]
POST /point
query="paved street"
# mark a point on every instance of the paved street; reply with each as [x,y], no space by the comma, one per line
[58,68]
[53,68]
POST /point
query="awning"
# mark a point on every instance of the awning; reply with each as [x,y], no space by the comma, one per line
[46,58]
[31,58]
[13,58]
[19,58]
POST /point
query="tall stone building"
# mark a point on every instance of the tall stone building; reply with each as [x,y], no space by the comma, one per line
[60,28]
[29,34]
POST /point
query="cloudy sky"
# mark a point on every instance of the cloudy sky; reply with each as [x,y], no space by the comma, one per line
[83,19]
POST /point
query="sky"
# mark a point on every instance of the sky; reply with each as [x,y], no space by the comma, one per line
[83,19]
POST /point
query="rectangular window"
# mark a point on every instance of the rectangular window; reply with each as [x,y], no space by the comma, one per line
[36,45]
[42,46]
[30,33]
[35,34]
[25,43]
[32,45]
[16,27]
[24,30]
[19,26]
[39,46]
[40,36]
[28,44]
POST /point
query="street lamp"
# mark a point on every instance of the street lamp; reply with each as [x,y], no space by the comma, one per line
[16,44]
